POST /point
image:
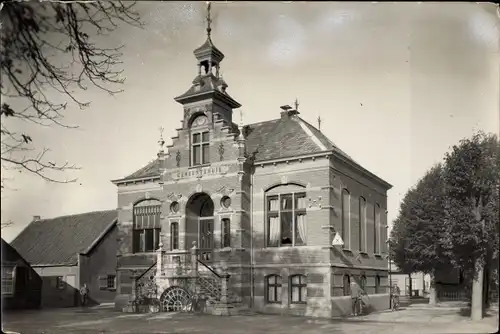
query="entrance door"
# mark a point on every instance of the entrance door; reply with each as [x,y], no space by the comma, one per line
[206,237]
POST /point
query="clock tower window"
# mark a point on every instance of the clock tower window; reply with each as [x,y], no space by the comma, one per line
[200,148]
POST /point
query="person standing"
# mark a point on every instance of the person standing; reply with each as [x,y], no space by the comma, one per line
[84,294]
[356,293]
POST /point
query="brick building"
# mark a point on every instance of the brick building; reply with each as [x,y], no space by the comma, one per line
[262,201]
[69,251]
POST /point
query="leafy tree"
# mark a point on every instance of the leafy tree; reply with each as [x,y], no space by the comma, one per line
[471,182]
[417,231]
[46,48]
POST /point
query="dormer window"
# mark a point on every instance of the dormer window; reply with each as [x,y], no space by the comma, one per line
[200,141]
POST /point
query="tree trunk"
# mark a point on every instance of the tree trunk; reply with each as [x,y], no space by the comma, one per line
[476,311]
[410,285]
[432,291]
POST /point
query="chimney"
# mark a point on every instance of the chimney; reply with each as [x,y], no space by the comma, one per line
[36,218]
[285,110]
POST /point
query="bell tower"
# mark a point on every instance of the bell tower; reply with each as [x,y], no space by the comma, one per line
[208,94]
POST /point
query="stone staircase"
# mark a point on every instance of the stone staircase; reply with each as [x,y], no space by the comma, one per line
[209,288]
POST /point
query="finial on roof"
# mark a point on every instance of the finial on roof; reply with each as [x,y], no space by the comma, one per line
[161,142]
[209,19]
[296,104]
[319,123]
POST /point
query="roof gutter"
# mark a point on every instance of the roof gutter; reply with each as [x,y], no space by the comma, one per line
[125,180]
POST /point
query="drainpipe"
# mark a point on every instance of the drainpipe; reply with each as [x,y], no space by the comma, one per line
[252,280]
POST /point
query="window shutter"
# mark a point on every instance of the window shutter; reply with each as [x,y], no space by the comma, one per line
[103,282]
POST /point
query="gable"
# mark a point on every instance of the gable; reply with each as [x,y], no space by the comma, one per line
[58,241]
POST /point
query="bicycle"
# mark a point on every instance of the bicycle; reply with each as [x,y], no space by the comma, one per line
[395,303]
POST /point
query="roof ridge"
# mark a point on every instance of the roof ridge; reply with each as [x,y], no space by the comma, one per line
[76,215]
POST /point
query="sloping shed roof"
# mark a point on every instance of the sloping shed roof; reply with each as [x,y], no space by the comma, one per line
[57,241]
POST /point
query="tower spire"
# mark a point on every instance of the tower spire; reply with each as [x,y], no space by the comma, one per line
[296,104]
[209,19]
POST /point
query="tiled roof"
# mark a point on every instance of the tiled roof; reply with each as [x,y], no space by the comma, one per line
[150,170]
[9,253]
[57,241]
[208,84]
[269,140]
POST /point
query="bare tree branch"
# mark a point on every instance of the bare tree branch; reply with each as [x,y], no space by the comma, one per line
[47,47]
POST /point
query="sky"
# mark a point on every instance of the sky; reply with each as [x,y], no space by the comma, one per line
[396,85]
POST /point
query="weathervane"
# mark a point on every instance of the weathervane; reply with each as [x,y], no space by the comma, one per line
[209,20]
[296,104]
[319,123]
[161,141]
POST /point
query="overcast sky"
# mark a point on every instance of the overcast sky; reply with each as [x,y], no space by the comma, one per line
[396,85]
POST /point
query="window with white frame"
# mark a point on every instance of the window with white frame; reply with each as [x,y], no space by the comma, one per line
[111,282]
[298,289]
[60,284]
[273,289]
[346,206]
[147,228]
[7,280]
[200,142]
[362,224]
[286,220]
[376,228]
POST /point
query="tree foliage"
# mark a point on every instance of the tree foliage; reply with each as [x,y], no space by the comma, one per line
[451,217]
[50,48]
[419,227]
[471,182]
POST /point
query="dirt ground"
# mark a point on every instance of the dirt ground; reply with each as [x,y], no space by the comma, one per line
[414,319]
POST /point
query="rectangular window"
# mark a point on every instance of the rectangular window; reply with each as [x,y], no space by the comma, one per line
[60,284]
[376,228]
[273,289]
[286,220]
[111,282]
[226,233]
[362,224]
[346,218]
[298,289]
[146,233]
[7,280]
[174,235]
[200,148]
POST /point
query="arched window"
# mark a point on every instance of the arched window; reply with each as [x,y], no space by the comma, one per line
[286,218]
[298,289]
[362,224]
[174,235]
[146,226]
[200,141]
[273,289]
[346,226]
[376,229]
[377,284]
[346,285]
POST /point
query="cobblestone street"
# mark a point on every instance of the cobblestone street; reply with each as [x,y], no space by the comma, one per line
[415,319]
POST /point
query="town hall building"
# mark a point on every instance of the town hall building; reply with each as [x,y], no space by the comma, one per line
[248,213]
